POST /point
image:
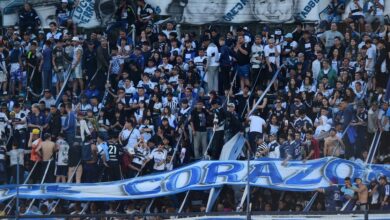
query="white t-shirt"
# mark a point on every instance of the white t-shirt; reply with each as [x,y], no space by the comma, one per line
[256,124]
[271,53]
[355,10]
[212,55]
[134,135]
[159,157]
[62,155]
[371,54]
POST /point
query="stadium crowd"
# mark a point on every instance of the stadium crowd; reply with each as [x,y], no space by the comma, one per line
[138,106]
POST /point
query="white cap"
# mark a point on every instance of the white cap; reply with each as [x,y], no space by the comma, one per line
[64,1]
[75,38]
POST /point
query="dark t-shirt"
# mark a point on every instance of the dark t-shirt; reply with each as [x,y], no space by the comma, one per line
[241,58]
[74,156]
[332,197]
[198,118]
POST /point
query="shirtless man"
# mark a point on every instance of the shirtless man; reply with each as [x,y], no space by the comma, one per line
[362,194]
[47,148]
[334,146]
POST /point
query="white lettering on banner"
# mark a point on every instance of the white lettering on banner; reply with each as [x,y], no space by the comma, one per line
[84,11]
[235,10]
[307,9]
[204,175]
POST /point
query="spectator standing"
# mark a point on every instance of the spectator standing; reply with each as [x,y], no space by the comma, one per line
[62,148]
[212,64]
[16,158]
[242,52]
[199,129]
[256,126]
[384,193]
[28,18]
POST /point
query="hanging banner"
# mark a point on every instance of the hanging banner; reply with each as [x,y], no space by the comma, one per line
[95,13]
[204,175]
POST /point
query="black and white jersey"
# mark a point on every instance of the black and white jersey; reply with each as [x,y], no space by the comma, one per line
[113,152]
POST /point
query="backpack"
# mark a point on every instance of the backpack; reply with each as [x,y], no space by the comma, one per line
[86,152]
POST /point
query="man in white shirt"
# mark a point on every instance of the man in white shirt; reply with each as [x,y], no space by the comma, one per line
[370,58]
[212,65]
[159,156]
[271,53]
[316,65]
[129,134]
[256,126]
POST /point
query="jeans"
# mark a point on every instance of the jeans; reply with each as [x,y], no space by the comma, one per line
[46,79]
[212,78]
[200,142]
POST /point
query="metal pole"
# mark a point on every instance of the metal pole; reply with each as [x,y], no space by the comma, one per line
[251,94]
[266,90]
[25,181]
[69,181]
[17,186]
[42,181]
[64,85]
[248,196]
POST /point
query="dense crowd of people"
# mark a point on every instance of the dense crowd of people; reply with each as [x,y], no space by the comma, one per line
[106,107]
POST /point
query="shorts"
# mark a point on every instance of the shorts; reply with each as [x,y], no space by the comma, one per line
[15,72]
[60,76]
[61,170]
[77,73]
[244,70]
[356,17]
[3,77]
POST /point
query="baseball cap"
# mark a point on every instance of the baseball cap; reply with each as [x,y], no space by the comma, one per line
[36,131]
[289,35]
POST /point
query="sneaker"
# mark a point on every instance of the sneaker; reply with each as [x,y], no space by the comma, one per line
[5,93]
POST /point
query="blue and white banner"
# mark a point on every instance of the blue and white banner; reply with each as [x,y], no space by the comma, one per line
[204,175]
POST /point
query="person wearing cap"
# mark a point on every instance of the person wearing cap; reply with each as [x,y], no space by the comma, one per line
[76,66]
[219,122]
[35,143]
[288,45]
[384,193]
[233,122]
